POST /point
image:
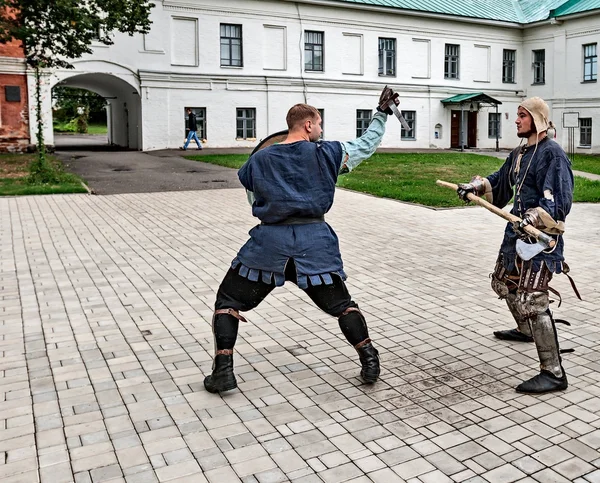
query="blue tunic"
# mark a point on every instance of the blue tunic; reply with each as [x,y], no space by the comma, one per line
[545,181]
[298,180]
[292,180]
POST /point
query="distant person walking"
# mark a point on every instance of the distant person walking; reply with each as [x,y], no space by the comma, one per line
[193,127]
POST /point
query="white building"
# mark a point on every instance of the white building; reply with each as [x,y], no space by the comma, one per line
[242,63]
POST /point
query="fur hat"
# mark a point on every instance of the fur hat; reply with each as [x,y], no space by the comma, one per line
[537,107]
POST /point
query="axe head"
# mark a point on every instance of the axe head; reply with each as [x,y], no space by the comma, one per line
[527,251]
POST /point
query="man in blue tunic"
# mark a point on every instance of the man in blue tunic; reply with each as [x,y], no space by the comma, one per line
[291,186]
[538,177]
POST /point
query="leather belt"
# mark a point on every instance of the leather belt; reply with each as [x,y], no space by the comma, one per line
[295,220]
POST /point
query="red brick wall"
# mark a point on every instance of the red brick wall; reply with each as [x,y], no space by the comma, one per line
[14,116]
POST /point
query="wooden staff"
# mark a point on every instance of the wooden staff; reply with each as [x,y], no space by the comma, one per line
[530,230]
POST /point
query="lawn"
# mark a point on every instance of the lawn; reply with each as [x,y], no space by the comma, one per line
[411,177]
[70,127]
[587,163]
[13,177]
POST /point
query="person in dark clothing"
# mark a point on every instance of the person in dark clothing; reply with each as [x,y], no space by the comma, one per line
[193,127]
[538,177]
[291,185]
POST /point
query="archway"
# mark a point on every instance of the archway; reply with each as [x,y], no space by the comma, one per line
[119,86]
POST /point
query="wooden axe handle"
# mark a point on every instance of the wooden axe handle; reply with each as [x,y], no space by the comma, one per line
[534,232]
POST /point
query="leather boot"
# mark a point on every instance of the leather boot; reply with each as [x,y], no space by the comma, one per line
[545,381]
[369,358]
[222,377]
[552,376]
[513,335]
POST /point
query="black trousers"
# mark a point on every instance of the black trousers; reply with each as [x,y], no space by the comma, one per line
[239,293]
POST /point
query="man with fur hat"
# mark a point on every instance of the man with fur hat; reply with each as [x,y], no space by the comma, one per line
[537,176]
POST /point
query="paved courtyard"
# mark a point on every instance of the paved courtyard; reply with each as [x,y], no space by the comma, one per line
[106,338]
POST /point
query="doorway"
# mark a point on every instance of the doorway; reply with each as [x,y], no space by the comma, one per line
[469,128]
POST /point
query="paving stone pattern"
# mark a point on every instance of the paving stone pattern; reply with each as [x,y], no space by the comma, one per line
[106,338]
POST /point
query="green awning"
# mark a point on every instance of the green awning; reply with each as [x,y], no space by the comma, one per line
[471,97]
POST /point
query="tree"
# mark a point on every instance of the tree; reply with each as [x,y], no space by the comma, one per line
[53,32]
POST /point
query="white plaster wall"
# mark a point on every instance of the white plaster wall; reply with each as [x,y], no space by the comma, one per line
[166,88]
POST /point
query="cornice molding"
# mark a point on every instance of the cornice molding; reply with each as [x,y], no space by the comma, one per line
[408,29]
[12,65]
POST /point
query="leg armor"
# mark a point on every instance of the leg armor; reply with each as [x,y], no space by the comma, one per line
[336,301]
[505,285]
[532,303]
[354,328]
[235,294]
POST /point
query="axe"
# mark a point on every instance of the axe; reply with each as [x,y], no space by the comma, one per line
[525,250]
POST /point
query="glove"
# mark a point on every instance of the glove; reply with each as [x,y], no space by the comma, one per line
[386,96]
[531,218]
[476,186]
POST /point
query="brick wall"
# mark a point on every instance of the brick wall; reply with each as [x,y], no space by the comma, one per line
[14,112]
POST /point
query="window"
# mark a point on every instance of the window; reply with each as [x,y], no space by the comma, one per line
[539,66]
[363,119]
[508,66]
[411,119]
[585,131]
[231,45]
[590,63]
[245,123]
[387,57]
[451,63]
[322,113]
[313,50]
[200,113]
[494,124]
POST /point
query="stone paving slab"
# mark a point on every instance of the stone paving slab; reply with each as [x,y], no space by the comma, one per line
[106,338]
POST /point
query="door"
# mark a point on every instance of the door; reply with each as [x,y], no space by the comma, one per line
[455,129]
[472,130]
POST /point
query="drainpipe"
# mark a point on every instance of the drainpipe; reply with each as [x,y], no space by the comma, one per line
[497,130]
[462,113]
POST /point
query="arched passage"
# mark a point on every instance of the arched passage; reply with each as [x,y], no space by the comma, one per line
[120,87]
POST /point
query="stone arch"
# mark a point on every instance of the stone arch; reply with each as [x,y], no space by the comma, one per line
[120,86]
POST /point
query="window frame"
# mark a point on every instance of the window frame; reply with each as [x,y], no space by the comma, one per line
[228,42]
[539,66]
[585,131]
[411,119]
[361,127]
[509,66]
[383,56]
[493,125]
[314,66]
[591,61]
[451,59]
[244,128]
[200,121]
[322,114]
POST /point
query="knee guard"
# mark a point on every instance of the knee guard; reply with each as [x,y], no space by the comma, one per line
[503,283]
[532,304]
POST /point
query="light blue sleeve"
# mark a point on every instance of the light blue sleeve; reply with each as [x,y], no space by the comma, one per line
[356,151]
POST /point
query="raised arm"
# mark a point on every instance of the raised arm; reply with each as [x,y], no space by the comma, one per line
[356,151]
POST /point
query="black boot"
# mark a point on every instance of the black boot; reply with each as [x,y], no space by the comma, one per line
[369,358]
[513,334]
[222,377]
[545,381]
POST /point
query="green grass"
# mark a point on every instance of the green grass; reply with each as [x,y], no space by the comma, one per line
[411,177]
[97,129]
[70,127]
[13,177]
[587,163]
